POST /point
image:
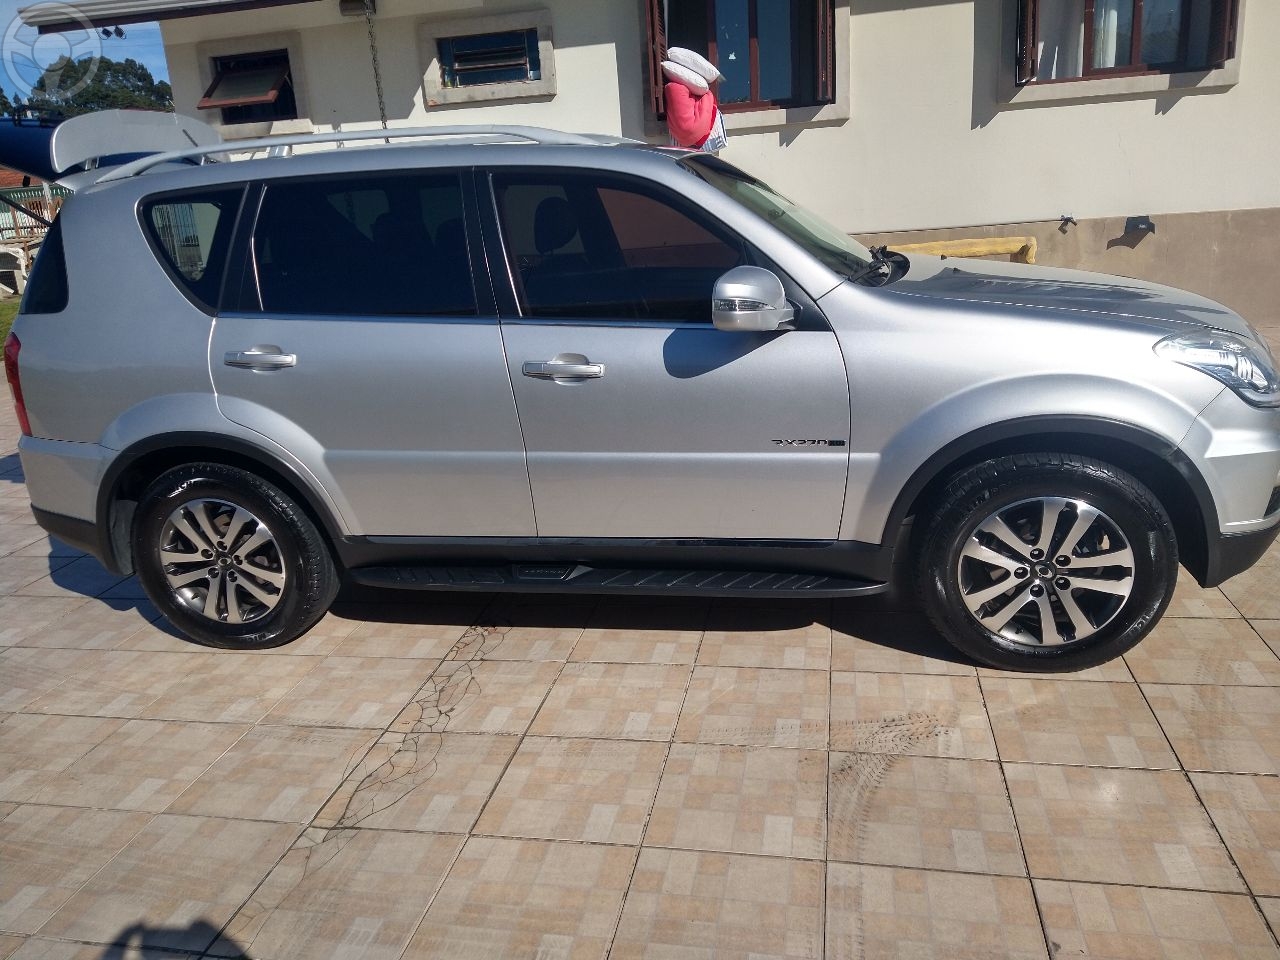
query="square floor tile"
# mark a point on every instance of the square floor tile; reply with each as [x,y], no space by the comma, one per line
[536,628]
[1246,811]
[35,749]
[230,687]
[275,773]
[931,812]
[144,765]
[1143,827]
[423,632]
[421,781]
[112,683]
[892,643]
[97,625]
[339,894]
[1220,729]
[1204,651]
[1192,600]
[526,898]
[1270,632]
[910,714]
[1254,592]
[657,631]
[38,948]
[751,634]
[631,701]
[1098,724]
[1121,923]
[1271,910]
[590,790]
[478,697]
[49,852]
[30,674]
[763,800]
[20,573]
[175,872]
[8,945]
[733,907]
[15,536]
[352,692]
[22,618]
[84,577]
[889,913]
[756,707]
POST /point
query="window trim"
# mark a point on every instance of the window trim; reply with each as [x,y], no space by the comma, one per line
[832,75]
[1223,41]
[431,31]
[1017,90]
[207,51]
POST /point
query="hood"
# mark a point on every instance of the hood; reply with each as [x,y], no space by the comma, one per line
[1094,296]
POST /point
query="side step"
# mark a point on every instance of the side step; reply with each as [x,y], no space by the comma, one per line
[577,578]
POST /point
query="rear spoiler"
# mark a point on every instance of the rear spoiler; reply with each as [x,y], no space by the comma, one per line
[63,152]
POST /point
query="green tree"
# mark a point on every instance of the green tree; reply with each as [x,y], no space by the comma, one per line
[72,87]
[6,108]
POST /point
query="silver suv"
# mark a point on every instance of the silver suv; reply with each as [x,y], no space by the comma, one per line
[507,359]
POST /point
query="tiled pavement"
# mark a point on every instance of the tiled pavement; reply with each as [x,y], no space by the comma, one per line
[501,778]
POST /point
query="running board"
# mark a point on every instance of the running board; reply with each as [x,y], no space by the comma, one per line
[578,578]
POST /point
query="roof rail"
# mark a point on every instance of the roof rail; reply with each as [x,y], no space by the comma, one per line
[282,146]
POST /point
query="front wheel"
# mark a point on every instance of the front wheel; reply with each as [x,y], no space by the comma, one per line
[230,559]
[1046,562]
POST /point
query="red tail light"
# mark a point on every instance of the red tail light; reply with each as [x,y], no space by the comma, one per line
[11,347]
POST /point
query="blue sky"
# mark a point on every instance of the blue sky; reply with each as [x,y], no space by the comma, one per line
[141,42]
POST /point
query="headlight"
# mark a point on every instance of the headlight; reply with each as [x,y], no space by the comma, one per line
[1244,366]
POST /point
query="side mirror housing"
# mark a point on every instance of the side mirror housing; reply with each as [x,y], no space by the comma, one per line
[750,298]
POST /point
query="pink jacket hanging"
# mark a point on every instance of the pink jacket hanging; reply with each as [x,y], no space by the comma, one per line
[690,116]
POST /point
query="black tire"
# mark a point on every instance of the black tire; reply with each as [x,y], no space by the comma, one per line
[295,554]
[949,578]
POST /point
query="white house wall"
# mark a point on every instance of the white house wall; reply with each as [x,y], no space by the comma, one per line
[929,142]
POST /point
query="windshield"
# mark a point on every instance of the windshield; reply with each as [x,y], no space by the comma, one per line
[835,248]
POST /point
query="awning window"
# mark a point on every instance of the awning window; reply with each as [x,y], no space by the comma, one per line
[243,83]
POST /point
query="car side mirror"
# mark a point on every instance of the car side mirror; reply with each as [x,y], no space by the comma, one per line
[750,298]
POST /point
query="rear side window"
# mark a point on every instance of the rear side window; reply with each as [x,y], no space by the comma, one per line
[47,285]
[191,234]
[386,245]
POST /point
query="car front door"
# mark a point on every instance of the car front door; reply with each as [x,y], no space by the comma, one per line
[640,418]
[360,343]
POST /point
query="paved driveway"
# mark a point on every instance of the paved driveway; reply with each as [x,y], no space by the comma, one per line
[497,778]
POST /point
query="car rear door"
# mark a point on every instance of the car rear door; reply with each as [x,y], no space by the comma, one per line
[642,420]
[360,340]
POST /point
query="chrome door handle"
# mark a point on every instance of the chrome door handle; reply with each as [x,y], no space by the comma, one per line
[262,357]
[565,366]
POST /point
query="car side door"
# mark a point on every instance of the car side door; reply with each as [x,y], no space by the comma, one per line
[642,420]
[360,338]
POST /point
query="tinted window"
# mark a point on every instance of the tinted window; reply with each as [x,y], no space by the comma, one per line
[47,285]
[192,234]
[582,246]
[385,246]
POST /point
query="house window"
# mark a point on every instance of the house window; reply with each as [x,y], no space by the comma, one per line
[1088,39]
[250,88]
[771,53]
[511,55]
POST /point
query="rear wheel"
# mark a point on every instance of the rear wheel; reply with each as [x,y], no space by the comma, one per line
[230,559]
[1046,562]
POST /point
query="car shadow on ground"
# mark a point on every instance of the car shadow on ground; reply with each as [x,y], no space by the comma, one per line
[141,942]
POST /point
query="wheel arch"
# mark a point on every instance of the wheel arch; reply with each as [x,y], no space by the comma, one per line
[139,464]
[1153,459]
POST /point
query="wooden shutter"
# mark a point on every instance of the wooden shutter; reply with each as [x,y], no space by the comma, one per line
[825,47]
[656,31]
[1028,40]
[1222,32]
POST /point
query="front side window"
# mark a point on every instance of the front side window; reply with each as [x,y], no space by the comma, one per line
[388,245]
[770,53]
[191,234]
[1086,39]
[603,248]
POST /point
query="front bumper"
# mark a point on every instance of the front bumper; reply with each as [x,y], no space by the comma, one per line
[1233,553]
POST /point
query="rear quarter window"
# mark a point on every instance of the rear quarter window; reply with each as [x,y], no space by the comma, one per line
[190,234]
[47,286]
